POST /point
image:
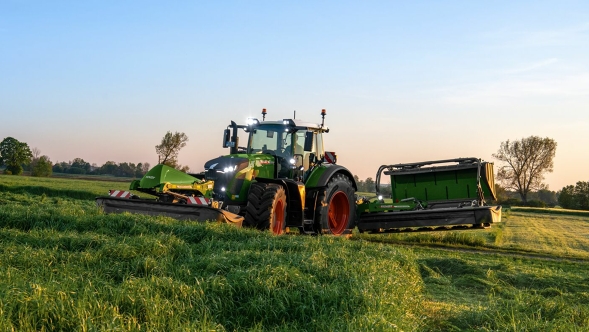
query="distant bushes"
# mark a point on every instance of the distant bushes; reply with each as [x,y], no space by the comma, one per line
[517,202]
[575,197]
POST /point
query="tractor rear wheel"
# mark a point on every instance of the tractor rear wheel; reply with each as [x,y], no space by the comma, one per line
[266,207]
[336,211]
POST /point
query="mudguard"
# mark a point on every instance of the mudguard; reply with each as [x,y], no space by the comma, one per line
[321,175]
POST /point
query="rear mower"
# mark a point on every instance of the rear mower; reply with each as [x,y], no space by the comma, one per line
[432,195]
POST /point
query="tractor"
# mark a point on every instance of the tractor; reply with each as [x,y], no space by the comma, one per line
[280,179]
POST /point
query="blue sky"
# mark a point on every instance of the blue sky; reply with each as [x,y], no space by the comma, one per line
[401,81]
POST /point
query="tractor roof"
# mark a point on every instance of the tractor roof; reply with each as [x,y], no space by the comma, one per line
[296,123]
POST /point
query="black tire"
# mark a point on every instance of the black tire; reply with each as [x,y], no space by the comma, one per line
[253,202]
[266,207]
[338,199]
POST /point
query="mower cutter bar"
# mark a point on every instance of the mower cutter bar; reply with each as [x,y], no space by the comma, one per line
[427,218]
[176,211]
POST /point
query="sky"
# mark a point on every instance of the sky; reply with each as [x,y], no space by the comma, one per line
[402,81]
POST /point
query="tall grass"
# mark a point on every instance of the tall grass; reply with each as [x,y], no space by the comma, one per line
[66,266]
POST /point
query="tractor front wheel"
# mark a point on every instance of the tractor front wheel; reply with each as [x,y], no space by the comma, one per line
[266,207]
[336,210]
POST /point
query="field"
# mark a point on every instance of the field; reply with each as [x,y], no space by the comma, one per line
[66,266]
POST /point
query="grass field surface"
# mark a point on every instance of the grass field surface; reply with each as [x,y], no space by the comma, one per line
[64,265]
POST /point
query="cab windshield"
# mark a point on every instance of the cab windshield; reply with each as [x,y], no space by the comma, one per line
[266,139]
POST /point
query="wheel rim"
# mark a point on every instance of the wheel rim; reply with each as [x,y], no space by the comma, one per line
[277,226]
[339,213]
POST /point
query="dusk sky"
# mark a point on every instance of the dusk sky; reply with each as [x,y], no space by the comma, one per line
[402,81]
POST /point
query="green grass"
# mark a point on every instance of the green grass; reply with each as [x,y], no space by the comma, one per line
[61,187]
[521,231]
[64,265]
[476,292]
[568,212]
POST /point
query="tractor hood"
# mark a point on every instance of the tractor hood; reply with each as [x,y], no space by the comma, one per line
[226,164]
[233,174]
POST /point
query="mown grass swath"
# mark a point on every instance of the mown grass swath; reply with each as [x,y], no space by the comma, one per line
[66,266]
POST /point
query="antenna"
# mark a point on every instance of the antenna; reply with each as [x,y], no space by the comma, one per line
[263,114]
[294,114]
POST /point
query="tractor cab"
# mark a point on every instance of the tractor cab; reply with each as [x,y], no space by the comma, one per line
[296,146]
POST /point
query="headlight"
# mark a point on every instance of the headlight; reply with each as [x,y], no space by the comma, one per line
[380,197]
[292,161]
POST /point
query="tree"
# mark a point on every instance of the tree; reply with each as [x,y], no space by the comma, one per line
[14,154]
[61,167]
[582,195]
[145,168]
[42,167]
[369,185]
[526,161]
[359,183]
[126,170]
[168,150]
[110,167]
[81,166]
[575,197]
[547,196]
[566,197]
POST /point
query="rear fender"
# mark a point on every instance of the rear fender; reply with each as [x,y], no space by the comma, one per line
[321,175]
[317,181]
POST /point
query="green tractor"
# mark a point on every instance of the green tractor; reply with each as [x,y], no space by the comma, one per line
[282,178]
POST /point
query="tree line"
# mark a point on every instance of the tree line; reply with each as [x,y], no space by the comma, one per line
[520,173]
[79,166]
[18,157]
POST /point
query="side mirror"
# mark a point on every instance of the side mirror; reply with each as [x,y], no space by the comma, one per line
[309,141]
[227,139]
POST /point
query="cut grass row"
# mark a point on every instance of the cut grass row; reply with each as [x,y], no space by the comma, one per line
[548,234]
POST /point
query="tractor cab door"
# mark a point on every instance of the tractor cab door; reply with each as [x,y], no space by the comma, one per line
[312,150]
[302,148]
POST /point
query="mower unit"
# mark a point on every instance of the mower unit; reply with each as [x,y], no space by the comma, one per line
[432,195]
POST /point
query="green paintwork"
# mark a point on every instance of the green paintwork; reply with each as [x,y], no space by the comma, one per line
[313,179]
[380,206]
[160,174]
[432,185]
[259,166]
[438,185]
